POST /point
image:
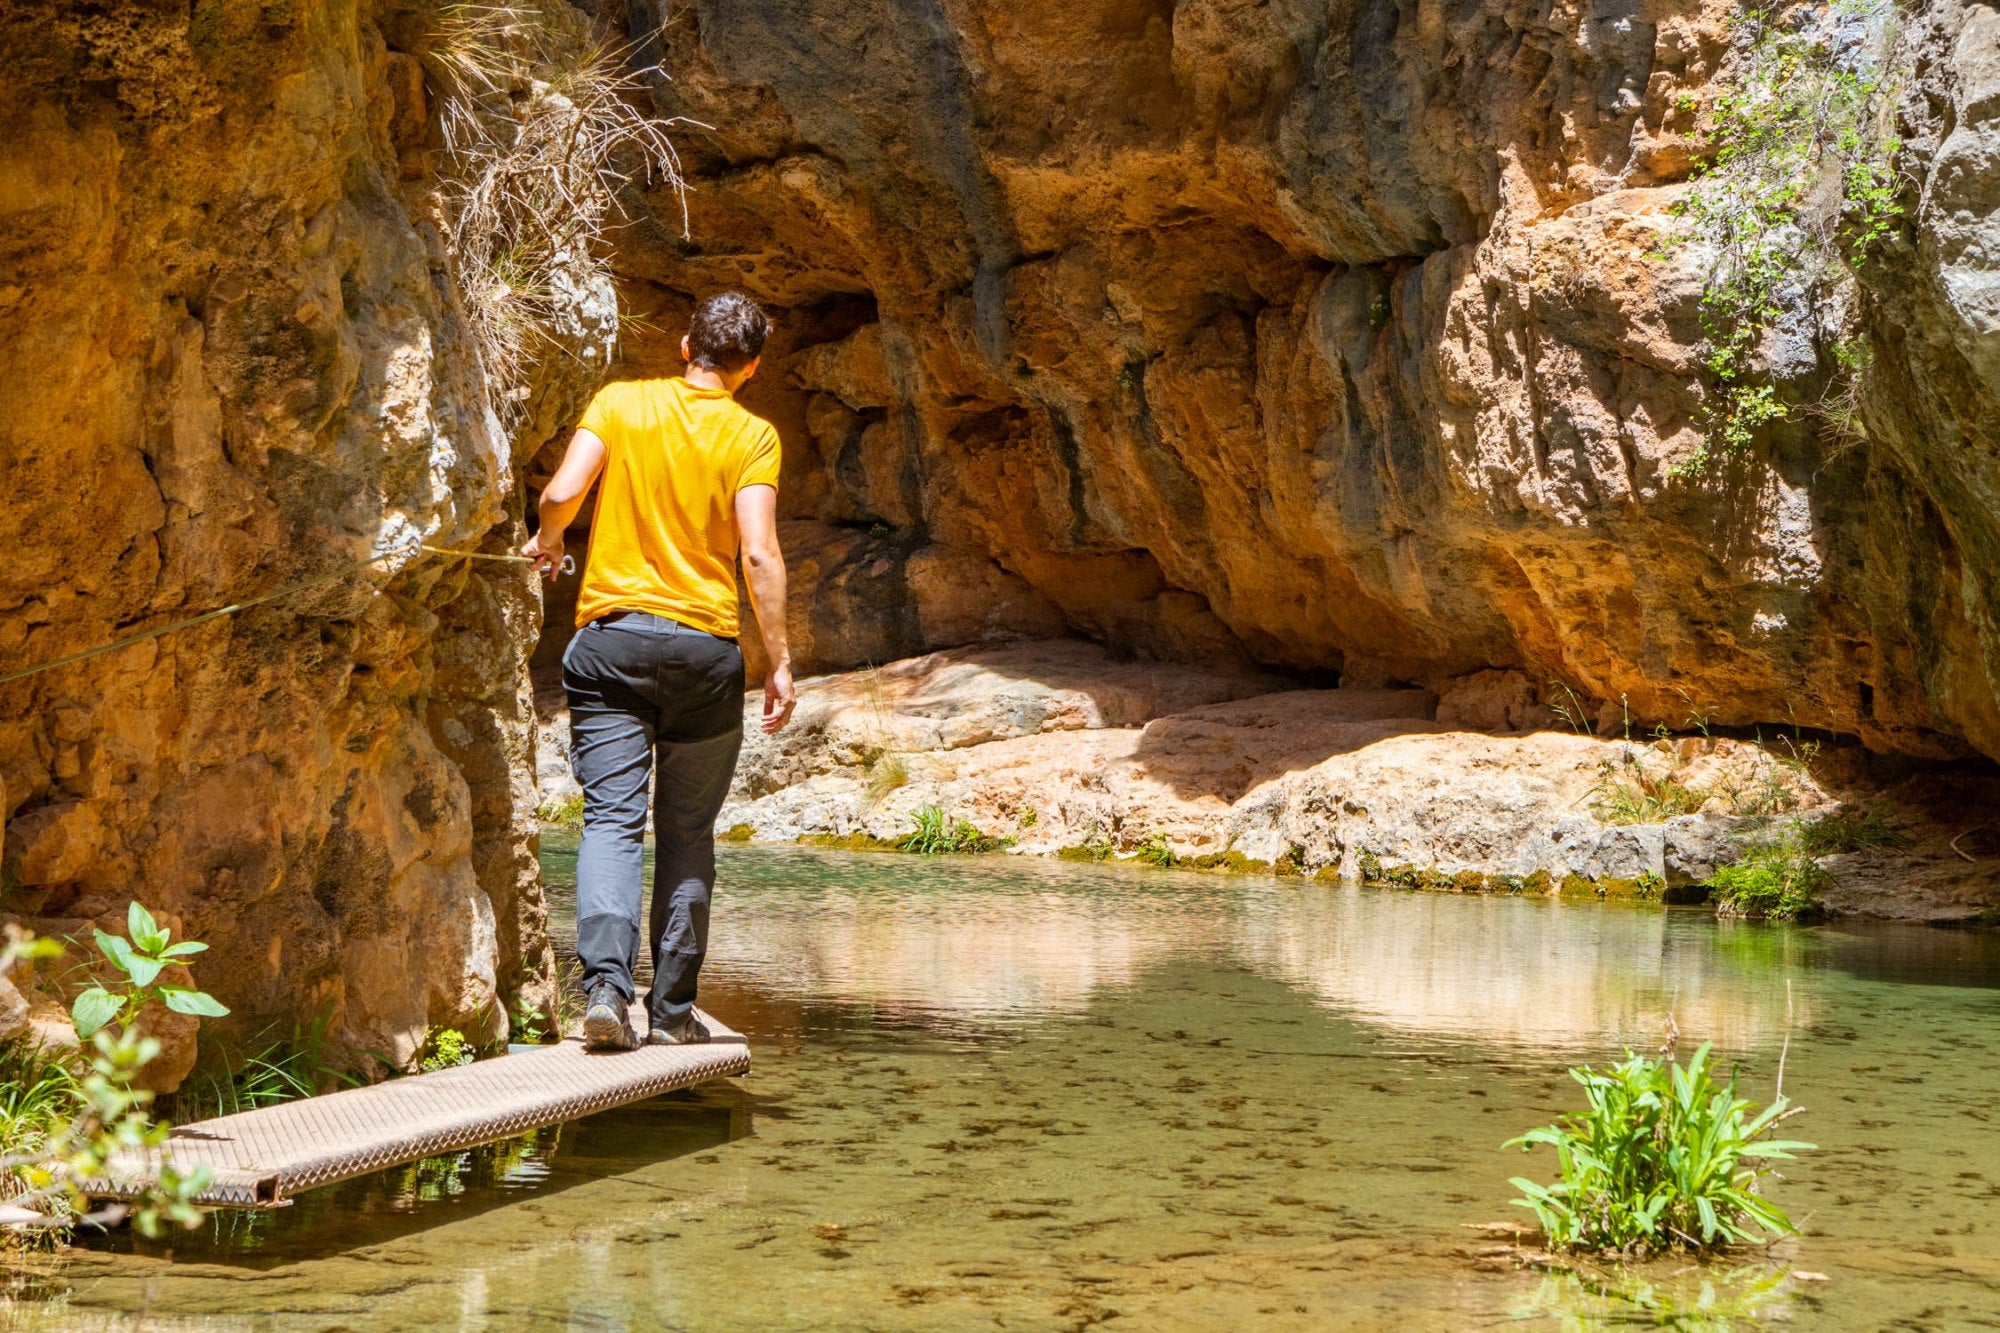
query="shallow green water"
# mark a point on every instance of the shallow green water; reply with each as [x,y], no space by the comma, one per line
[1002,1093]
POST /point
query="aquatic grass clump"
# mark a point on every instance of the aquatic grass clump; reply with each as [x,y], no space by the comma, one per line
[934,834]
[1661,1158]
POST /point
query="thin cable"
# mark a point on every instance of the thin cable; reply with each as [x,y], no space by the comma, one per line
[233,608]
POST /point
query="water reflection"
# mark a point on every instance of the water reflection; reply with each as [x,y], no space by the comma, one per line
[958,943]
[1008,1093]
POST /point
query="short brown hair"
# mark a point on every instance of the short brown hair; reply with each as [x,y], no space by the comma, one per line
[727,332]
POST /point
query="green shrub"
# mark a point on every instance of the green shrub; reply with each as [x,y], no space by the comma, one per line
[1661,1158]
[1157,851]
[739,833]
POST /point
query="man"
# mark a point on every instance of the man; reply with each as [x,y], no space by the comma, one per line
[654,675]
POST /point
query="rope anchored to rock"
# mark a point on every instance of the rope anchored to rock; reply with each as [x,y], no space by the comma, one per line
[316,581]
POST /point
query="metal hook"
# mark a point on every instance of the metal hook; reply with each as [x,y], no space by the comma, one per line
[568,565]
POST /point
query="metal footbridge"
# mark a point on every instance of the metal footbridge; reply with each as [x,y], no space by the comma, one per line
[260,1158]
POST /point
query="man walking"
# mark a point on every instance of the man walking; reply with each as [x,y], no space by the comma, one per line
[654,674]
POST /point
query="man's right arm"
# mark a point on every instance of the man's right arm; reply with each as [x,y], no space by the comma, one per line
[562,497]
[764,572]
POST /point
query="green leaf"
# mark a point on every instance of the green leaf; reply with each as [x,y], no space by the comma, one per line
[93,1009]
[144,971]
[184,948]
[145,931]
[115,948]
[182,1000]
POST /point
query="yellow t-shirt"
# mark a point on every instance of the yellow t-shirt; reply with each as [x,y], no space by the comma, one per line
[664,536]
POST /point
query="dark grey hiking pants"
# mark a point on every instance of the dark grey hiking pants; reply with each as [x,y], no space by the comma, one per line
[652,705]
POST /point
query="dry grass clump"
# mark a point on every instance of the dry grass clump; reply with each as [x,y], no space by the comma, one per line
[544,122]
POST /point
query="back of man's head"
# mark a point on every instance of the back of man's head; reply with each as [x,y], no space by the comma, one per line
[727,333]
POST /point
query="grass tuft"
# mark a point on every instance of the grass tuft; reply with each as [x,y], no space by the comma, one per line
[935,834]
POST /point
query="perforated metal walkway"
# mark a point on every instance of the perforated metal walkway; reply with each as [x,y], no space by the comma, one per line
[258,1159]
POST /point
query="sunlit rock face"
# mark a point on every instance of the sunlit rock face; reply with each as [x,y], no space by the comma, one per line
[232,361]
[1333,336]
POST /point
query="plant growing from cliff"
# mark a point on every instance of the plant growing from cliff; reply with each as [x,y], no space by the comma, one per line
[1847,831]
[1800,184]
[886,771]
[544,124]
[141,959]
[1661,1157]
[1156,851]
[1644,784]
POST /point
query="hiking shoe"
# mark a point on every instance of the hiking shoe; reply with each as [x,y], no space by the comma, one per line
[690,1031]
[606,1026]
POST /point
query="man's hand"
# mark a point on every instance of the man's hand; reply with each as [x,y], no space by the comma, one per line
[779,699]
[545,548]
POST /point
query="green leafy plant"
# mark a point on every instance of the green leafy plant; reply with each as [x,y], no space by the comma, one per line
[1800,184]
[1030,817]
[67,1131]
[142,959]
[527,1024]
[1157,851]
[444,1048]
[1661,1157]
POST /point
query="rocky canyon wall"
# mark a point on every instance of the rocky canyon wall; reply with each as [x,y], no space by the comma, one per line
[235,359]
[1336,334]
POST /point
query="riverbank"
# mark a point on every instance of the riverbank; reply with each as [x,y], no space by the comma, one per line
[1055,749]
